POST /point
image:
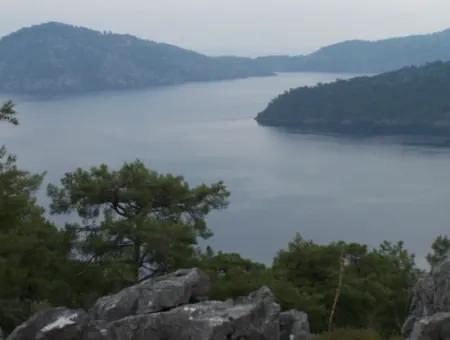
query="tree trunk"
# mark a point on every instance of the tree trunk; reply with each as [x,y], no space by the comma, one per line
[338,292]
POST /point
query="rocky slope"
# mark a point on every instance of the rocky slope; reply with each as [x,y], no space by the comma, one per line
[430,308]
[172,307]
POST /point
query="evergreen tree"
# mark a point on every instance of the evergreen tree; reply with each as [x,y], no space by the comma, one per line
[33,253]
[375,288]
[135,218]
[441,249]
[8,113]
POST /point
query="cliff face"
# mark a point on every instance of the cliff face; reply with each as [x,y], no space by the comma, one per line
[430,307]
[172,307]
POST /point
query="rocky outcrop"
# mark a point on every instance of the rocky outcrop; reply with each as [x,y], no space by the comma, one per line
[172,307]
[55,323]
[435,327]
[430,305]
[152,296]
[294,325]
[254,317]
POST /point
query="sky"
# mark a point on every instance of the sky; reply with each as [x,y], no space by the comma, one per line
[238,27]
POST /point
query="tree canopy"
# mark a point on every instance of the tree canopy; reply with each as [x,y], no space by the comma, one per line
[8,113]
[440,250]
[147,221]
[32,251]
[376,284]
[410,100]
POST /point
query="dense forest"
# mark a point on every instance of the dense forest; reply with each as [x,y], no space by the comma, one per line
[135,223]
[359,56]
[60,58]
[55,58]
[410,100]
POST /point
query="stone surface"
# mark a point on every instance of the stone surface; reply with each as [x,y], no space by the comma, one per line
[435,327]
[56,323]
[169,308]
[154,295]
[254,318]
[294,325]
[431,297]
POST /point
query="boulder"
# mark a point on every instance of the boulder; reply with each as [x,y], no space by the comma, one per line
[254,317]
[56,323]
[171,307]
[294,325]
[154,295]
[431,296]
[435,327]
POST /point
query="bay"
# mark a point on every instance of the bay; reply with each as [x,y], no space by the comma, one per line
[326,188]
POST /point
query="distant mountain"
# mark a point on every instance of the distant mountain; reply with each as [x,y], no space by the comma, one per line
[55,57]
[359,56]
[411,100]
[59,58]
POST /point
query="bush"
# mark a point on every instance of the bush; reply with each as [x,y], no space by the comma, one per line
[375,289]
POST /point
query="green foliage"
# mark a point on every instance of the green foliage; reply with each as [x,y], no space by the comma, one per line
[33,252]
[376,284]
[413,99]
[136,217]
[17,188]
[8,113]
[231,275]
[441,248]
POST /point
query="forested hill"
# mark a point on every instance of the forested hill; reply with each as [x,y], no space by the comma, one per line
[358,56]
[55,57]
[60,58]
[413,99]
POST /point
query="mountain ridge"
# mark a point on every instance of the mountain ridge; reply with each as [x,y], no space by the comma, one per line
[56,57]
[59,58]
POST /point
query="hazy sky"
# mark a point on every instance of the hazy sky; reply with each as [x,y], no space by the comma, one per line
[241,27]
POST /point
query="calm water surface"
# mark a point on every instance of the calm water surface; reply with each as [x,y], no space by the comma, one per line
[282,183]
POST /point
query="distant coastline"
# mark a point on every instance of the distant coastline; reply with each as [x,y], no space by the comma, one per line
[55,58]
[413,100]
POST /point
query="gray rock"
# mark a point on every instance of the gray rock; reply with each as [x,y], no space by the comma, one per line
[154,295]
[294,325]
[435,327]
[162,309]
[431,295]
[254,318]
[56,323]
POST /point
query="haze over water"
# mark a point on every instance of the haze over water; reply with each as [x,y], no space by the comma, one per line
[326,188]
